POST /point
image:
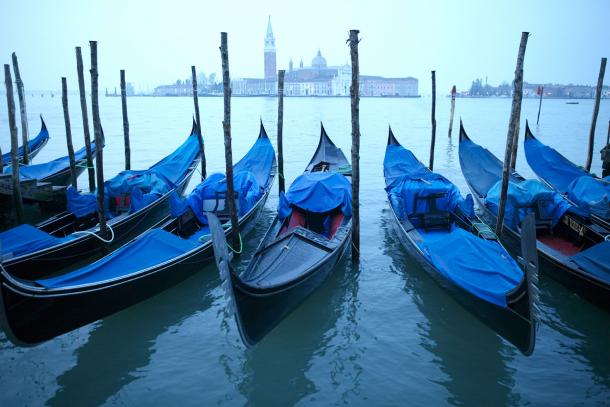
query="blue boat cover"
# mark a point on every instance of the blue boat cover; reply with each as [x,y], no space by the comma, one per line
[526,197]
[250,178]
[153,247]
[44,170]
[581,187]
[25,239]
[152,183]
[407,178]
[480,167]
[33,144]
[317,192]
[481,267]
[595,260]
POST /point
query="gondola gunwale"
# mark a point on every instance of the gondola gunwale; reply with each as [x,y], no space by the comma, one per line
[480,308]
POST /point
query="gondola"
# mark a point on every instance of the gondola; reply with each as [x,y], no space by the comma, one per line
[571,249]
[34,145]
[439,228]
[134,202]
[575,183]
[301,248]
[36,310]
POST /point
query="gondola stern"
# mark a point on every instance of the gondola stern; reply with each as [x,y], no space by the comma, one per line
[194,128]
[463,135]
[391,138]
[528,133]
[262,133]
[43,125]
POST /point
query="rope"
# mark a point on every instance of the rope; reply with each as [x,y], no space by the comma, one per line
[83,165]
[87,232]
[241,246]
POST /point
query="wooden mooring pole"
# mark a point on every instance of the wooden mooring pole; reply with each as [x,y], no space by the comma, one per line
[598,93]
[10,102]
[280,129]
[453,94]
[540,104]
[355,103]
[125,121]
[433,119]
[226,125]
[22,111]
[513,129]
[197,118]
[83,109]
[64,102]
[99,150]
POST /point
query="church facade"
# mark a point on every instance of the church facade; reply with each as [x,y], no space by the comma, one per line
[318,79]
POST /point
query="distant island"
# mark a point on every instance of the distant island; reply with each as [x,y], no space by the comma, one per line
[531,90]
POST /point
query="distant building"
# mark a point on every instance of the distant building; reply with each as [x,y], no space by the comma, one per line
[270,61]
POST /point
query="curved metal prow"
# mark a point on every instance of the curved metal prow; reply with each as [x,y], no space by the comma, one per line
[528,132]
[262,132]
[391,139]
[43,125]
[463,135]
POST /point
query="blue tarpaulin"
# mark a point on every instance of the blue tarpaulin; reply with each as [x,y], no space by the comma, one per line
[479,266]
[152,248]
[526,197]
[595,261]
[35,143]
[407,178]
[26,239]
[44,170]
[317,192]
[592,194]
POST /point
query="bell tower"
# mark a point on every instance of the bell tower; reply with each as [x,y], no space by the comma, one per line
[270,65]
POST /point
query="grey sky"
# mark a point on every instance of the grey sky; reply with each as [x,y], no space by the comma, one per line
[158,41]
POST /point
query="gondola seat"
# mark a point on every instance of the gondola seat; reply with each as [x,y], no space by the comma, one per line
[433,217]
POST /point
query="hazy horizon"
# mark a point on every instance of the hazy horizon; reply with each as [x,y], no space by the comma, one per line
[157,44]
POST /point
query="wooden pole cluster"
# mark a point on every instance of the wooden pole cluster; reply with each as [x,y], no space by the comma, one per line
[226,125]
[64,101]
[125,121]
[598,93]
[355,104]
[83,108]
[433,119]
[10,102]
[280,129]
[453,94]
[97,131]
[22,110]
[540,104]
[197,118]
[513,131]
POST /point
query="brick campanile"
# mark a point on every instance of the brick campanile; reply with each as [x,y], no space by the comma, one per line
[270,64]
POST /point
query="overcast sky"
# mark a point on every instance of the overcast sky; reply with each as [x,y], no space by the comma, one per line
[158,41]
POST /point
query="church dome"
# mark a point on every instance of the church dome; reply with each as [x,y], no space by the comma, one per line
[319,61]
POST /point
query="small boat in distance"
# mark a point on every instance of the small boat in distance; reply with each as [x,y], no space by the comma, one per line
[306,240]
[572,250]
[572,103]
[34,145]
[439,229]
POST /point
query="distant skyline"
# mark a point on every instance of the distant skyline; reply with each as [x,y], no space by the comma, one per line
[157,43]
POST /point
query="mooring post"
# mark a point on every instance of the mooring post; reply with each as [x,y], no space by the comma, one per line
[10,102]
[280,129]
[453,94]
[433,119]
[83,109]
[226,125]
[513,130]
[199,135]
[125,121]
[99,150]
[22,111]
[541,89]
[598,93]
[64,102]
[355,99]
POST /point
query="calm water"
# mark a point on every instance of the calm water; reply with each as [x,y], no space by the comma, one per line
[384,334]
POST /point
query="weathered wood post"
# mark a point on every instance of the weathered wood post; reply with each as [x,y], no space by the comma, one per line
[64,102]
[22,111]
[541,90]
[10,102]
[125,121]
[433,119]
[598,93]
[97,132]
[280,129]
[199,135]
[83,109]
[453,94]
[1,160]
[226,125]
[513,130]
[355,99]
